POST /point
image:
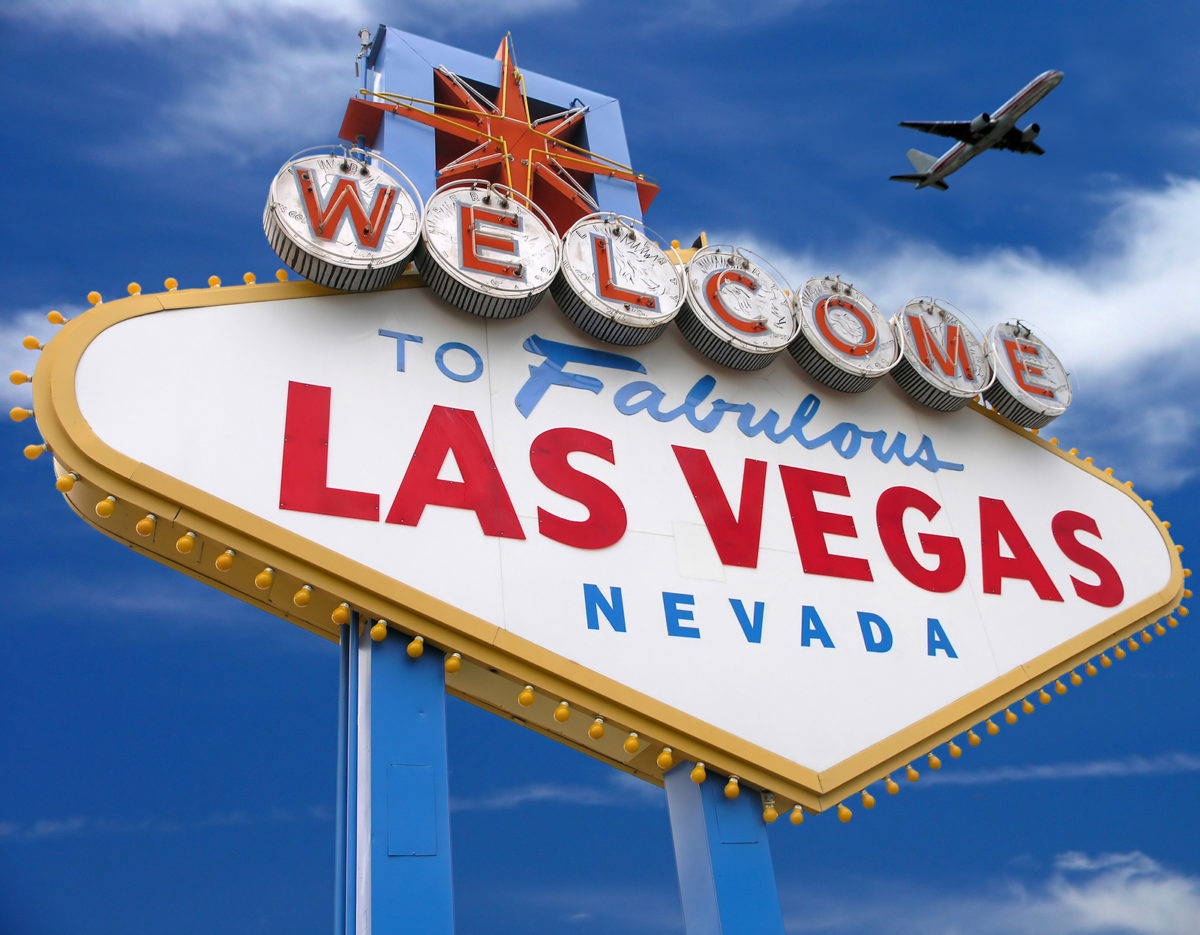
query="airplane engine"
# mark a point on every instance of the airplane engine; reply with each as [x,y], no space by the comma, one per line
[1029,134]
[981,123]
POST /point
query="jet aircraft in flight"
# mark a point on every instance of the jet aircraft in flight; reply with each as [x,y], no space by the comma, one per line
[987,131]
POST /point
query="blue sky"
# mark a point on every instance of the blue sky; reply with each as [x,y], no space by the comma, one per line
[169,752]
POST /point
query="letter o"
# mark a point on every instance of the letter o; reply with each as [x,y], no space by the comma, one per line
[440,359]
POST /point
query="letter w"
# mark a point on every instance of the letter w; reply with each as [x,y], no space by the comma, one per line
[325,215]
[736,537]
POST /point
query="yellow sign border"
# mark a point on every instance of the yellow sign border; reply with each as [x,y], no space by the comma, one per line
[496,664]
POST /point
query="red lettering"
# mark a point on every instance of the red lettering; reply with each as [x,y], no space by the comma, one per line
[870,335]
[605,277]
[736,537]
[811,525]
[472,239]
[712,292]
[996,524]
[345,198]
[955,355]
[1108,591]
[1015,350]
[606,520]
[481,490]
[303,479]
[951,567]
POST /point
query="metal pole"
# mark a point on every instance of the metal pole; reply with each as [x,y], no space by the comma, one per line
[726,877]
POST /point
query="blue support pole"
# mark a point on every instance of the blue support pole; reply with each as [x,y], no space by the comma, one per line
[395,847]
[726,877]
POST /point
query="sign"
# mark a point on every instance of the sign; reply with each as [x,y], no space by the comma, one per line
[632,549]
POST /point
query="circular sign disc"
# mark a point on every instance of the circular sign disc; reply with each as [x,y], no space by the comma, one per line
[944,365]
[341,221]
[615,283]
[735,314]
[485,251]
[845,341]
[1032,387]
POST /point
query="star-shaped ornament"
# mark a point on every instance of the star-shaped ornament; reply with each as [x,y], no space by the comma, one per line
[499,140]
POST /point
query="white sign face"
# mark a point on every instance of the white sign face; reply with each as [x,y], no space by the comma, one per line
[768,558]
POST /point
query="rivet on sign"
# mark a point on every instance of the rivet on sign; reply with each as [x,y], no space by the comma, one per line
[185,543]
[224,561]
[415,647]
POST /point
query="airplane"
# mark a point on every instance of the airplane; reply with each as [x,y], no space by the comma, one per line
[987,131]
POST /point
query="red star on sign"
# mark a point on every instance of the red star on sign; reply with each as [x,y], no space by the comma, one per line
[477,138]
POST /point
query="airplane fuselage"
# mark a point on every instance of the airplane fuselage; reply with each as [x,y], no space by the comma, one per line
[1003,121]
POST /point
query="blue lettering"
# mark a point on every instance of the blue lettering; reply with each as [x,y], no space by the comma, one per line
[811,628]
[752,628]
[869,624]
[550,371]
[674,611]
[613,609]
[939,640]
[401,340]
[440,359]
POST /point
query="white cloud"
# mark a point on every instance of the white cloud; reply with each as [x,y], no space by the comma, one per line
[15,356]
[621,791]
[80,826]
[1114,894]
[1167,764]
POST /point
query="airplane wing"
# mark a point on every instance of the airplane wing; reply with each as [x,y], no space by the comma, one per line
[1015,141]
[958,129]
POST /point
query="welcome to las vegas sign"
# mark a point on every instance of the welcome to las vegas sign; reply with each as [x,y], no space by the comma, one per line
[626,530]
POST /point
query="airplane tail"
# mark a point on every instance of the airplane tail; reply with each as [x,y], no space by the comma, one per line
[918,179]
[922,162]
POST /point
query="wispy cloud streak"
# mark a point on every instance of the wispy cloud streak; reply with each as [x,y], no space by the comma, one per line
[1167,764]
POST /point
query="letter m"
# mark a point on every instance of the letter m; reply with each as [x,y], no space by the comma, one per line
[325,214]
[949,358]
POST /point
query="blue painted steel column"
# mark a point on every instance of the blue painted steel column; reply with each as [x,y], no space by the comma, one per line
[393,818]
[726,877]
